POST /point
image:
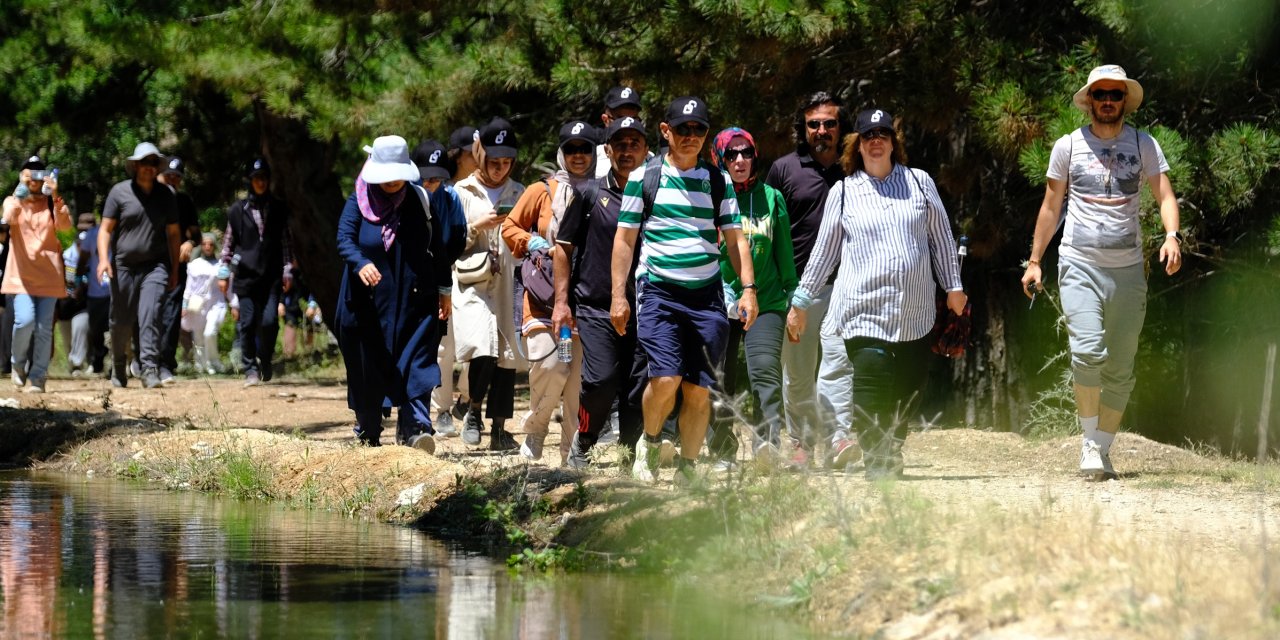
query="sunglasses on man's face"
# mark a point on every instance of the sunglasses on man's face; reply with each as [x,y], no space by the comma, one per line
[876,134]
[149,162]
[746,153]
[814,125]
[686,129]
[575,149]
[1107,95]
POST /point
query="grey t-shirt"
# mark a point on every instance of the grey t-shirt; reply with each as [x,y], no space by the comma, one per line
[1104,179]
[140,237]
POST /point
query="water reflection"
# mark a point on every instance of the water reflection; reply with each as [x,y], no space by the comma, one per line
[107,559]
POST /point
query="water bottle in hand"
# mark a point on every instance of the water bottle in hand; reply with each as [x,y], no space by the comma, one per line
[47,189]
[564,350]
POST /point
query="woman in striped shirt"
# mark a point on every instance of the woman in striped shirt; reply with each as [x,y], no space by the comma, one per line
[886,225]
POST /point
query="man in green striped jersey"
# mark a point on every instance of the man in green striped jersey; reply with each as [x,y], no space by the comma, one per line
[680,319]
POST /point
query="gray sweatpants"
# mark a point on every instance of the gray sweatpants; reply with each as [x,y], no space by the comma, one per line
[1105,309]
[136,293]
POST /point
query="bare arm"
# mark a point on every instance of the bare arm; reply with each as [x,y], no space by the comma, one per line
[104,249]
[561,257]
[1046,225]
[740,258]
[175,242]
[1171,250]
[624,246]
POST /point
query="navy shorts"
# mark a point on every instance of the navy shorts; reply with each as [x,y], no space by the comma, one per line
[682,331]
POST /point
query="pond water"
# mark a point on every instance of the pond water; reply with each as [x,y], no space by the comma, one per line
[85,558]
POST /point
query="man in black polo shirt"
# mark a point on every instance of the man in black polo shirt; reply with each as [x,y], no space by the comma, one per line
[255,250]
[820,415]
[140,232]
[189,226]
[613,369]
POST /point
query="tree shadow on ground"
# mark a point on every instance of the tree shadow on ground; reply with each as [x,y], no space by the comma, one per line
[32,435]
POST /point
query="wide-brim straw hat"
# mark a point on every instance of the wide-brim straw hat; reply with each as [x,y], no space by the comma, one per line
[1133,90]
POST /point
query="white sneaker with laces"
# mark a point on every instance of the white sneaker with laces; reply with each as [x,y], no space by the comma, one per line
[1091,459]
[645,453]
[532,447]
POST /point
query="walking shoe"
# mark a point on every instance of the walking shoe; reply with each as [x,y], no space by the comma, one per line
[666,453]
[166,377]
[1091,459]
[471,428]
[645,468]
[532,447]
[1108,471]
[767,456]
[135,369]
[501,440]
[460,409]
[799,460]
[444,425]
[367,439]
[844,453]
[19,375]
[36,387]
[119,376]
[578,459]
[267,370]
[150,378]
[687,476]
[251,379]
[723,466]
[424,442]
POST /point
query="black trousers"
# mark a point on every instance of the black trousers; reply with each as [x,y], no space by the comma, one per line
[171,325]
[614,371]
[487,379]
[888,381]
[6,336]
[258,327]
[99,324]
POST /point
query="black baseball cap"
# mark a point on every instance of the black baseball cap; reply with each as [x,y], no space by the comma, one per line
[462,137]
[175,165]
[432,160]
[628,123]
[498,139]
[688,109]
[258,166]
[872,119]
[622,97]
[578,130]
[34,162]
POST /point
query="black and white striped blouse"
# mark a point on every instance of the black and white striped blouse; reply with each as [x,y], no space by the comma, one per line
[889,237]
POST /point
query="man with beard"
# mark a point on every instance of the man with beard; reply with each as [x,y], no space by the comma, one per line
[804,178]
[1100,169]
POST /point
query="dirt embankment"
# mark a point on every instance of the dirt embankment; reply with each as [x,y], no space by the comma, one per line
[989,535]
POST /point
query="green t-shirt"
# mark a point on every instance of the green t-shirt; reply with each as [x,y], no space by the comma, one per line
[768,230]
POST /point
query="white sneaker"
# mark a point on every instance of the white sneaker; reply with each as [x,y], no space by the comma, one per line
[646,461]
[532,447]
[1091,459]
[36,387]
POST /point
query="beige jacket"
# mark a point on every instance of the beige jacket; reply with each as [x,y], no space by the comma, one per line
[483,322]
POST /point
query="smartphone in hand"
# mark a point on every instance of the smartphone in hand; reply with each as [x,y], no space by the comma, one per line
[504,209]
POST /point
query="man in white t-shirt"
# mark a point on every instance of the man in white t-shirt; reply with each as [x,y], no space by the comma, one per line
[1100,169]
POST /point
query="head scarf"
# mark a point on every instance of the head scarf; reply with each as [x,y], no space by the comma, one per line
[379,207]
[210,237]
[565,184]
[721,144]
[482,167]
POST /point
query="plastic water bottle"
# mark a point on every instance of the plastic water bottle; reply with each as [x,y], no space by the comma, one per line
[564,350]
[47,189]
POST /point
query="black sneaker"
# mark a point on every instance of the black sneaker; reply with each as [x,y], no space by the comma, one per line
[265,370]
[150,378]
[460,410]
[578,459]
[367,439]
[120,376]
[500,440]
[471,429]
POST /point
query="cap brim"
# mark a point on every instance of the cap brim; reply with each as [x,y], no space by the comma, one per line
[500,152]
[586,139]
[638,131]
[681,119]
[432,173]
[622,103]
[384,173]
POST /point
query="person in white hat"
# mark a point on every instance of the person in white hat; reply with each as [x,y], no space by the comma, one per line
[395,291]
[140,232]
[1100,169]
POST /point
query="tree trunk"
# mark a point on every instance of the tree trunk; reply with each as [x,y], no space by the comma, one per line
[302,173]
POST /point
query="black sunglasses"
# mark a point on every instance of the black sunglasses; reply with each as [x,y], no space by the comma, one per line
[151,161]
[746,153]
[686,129]
[817,124]
[1107,95]
[877,133]
[574,149]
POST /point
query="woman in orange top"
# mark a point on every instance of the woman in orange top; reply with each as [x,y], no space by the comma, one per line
[33,272]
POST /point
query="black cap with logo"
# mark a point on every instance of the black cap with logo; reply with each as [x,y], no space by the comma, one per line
[259,166]
[462,137]
[688,109]
[873,119]
[578,130]
[622,97]
[498,139]
[624,124]
[432,160]
[176,165]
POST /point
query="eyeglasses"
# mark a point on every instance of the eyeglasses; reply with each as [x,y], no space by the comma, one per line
[819,124]
[876,134]
[1107,95]
[574,149]
[686,129]
[150,161]
[746,153]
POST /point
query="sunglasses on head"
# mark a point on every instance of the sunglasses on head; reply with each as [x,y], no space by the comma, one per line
[1107,95]
[877,133]
[817,124]
[574,149]
[686,129]
[746,153]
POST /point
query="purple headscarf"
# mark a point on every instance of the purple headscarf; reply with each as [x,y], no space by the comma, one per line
[379,207]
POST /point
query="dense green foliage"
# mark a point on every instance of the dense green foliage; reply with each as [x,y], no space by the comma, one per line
[982,87]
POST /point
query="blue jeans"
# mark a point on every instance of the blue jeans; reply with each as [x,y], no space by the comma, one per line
[33,314]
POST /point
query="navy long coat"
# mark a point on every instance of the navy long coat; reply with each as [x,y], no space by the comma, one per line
[390,333]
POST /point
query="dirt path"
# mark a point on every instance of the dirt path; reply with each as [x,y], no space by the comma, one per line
[987,514]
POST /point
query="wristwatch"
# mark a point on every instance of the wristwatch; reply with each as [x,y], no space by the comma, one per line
[750,286]
[1176,235]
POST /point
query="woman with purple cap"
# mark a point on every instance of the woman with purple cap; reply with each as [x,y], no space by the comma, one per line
[390,298]
[886,227]
[768,230]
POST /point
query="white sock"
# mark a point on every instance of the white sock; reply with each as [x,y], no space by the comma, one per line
[1090,426]
[1104,440]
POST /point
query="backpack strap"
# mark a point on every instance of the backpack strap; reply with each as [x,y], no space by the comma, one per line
[653,177]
